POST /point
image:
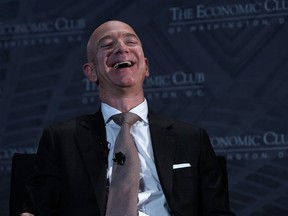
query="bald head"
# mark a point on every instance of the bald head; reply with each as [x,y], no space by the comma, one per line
[102,31]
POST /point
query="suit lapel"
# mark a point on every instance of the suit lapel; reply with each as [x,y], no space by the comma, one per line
[164,143]
[91,137]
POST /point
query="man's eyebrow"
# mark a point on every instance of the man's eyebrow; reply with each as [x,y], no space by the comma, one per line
[130,35]
[104,38]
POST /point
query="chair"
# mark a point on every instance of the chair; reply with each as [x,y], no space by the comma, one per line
[223,165]
[22,168]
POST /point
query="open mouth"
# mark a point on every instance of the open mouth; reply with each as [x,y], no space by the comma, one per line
[124,64]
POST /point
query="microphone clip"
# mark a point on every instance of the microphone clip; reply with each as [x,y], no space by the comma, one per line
[119,158]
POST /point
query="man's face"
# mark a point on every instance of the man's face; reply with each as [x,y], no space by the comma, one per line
[118,57]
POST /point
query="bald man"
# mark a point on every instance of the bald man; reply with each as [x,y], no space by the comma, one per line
[179,173]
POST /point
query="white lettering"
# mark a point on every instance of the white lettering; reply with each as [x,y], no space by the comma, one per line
[227,10]
[276,6]
[181,14]
[236,141]
[272,138]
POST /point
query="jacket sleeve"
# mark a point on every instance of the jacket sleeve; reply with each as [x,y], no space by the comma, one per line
[43,186]
[214,188]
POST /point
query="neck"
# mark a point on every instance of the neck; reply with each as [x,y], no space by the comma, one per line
[123,102]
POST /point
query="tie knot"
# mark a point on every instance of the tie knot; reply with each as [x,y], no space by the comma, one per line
[125,117]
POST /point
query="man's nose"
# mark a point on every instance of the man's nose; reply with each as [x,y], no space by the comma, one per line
[121,47]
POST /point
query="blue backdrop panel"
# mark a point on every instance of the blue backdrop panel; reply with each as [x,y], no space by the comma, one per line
[220,65]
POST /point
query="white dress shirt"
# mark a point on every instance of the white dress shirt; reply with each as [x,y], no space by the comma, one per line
[152,201]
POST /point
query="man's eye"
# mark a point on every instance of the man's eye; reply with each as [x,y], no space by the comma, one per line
[132,42]
[106,45]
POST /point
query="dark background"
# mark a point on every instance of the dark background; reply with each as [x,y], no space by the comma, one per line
[221,65]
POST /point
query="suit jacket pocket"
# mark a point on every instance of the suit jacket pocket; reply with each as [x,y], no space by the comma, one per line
[185,185]
[182,173]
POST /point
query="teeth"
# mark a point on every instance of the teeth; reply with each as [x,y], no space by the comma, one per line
[122,64]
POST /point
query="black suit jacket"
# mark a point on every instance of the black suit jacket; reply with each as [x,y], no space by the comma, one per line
[70,169]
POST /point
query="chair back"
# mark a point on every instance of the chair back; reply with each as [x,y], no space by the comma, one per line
[223,165]
[22,168]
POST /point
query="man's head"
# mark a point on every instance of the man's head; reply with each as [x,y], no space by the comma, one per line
[116,60]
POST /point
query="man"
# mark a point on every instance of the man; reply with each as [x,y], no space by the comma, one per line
[179,174]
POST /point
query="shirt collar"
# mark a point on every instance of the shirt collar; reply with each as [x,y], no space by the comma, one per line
[141,110]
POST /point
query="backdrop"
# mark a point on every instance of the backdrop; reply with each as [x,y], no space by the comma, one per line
[221,65]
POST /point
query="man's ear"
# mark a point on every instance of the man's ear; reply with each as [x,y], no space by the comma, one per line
[90,72]
[147,67]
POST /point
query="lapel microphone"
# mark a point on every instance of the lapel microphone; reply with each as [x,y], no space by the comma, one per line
[119,158]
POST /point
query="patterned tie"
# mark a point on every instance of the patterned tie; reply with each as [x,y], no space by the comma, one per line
[123,190]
